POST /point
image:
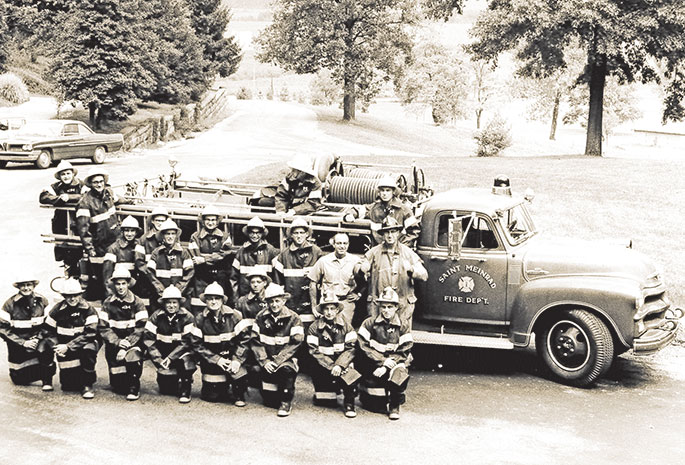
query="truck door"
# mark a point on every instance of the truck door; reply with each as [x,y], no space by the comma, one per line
[471,289]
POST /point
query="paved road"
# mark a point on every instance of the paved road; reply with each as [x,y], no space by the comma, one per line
[464,406]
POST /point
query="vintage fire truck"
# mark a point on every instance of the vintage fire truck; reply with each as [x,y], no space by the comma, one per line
[494,280]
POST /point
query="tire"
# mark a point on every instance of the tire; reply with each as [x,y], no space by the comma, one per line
[99,155]
[576,347]
[3,163]
[44,160]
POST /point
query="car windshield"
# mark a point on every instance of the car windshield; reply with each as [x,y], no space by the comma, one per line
[517,224]
[41,128]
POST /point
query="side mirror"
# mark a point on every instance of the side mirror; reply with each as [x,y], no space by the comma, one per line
[454,239]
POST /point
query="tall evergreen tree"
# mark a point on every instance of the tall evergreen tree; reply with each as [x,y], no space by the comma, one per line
[221,53]
[4,38]
[98,59]
[177,55]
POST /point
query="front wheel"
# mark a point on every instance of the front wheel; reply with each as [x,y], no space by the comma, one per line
[576,347]
[99,155]
[44,159]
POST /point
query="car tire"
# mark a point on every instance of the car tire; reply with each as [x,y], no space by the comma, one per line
[44,160]
[576,347]
[99,155]
[3,163]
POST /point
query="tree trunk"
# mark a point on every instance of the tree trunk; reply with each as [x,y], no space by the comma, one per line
[598,71]
[91,113]
[349,100]
[479,112]
[555,116]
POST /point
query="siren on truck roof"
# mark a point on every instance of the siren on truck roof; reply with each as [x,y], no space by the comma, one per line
[501,186]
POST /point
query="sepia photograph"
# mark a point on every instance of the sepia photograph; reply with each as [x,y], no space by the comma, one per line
[342,232]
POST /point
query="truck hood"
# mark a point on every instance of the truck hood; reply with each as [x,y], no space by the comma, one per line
[549,256]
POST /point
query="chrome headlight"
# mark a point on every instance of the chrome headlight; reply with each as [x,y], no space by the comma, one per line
[27,147]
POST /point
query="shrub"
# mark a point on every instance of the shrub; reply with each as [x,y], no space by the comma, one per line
[284,94]
[494,138]
[244,94]
[323,89]
[13,89]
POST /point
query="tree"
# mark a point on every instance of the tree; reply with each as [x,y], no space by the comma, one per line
[98,59]
[437,78]
[221,54]
[619,106]
[4,39]
[177,55]
[628,39]
[360,41]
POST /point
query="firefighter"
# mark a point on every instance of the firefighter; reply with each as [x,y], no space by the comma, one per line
[223,345]
[300,191]
[255,255]
[332,341]
[336,271]
[276,335]
[384,355]
[169,338]
[98,227]
[150,241]
[122,322]
[393,265]
[292,268]
[209,248]
[123,253]
[73,328]
[249,306]
[29,351]
[388,204]
[170,264]
[66,192]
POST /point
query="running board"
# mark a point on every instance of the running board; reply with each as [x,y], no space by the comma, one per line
[444,339]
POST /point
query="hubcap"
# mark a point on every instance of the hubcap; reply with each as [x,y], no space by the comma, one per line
[567,344]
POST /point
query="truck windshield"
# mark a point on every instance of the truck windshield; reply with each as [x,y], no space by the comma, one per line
[517,224]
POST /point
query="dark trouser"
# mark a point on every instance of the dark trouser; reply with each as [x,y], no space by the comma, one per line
[124,375]
[77,367]
[279,386]
[377,393]
[70,256]
[217,382]
[178,377]
[327,386]
[27,366]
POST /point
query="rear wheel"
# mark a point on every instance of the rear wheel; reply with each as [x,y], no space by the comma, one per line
[44,159]
[99,155]
[576,346]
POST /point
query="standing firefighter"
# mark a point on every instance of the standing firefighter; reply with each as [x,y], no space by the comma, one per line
[393,265]
[255,255]
[210,249]
[122,322]
[29,351]
[223,348]
[300,191]
[332,341]
[385,344]
[73,327]
[150,241]
[292,267]
[390,205]
[98,226]
[170,264]
[66,192]
[277,334]
[123,253]
[170,343]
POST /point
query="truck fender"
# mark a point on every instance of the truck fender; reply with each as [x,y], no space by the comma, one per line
[610,298]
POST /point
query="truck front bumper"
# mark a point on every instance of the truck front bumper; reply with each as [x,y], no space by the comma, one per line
[655,339]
